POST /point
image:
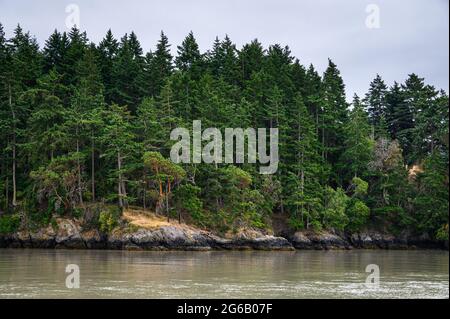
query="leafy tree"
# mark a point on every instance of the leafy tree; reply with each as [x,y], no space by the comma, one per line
[431,202]
[167,175]
[187,200]
[335,205]
[357,211]
[66,142]
[57,183]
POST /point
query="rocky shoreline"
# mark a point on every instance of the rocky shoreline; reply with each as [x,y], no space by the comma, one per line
[69,235]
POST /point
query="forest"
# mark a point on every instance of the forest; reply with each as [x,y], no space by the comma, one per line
[85,125]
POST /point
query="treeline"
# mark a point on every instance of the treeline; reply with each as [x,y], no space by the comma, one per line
[82,123]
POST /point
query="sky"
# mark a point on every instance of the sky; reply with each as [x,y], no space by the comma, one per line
[363,37]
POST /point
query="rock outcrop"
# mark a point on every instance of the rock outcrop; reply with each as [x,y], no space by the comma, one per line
[70,234]
[363,240]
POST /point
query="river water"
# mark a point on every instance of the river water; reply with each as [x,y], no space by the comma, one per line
[34,273]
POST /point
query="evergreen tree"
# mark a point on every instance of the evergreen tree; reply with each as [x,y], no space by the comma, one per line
[55,51]
[376,106]
[334,116]
[189,58]
[358,144]
[400,119]
[303,179]
[108,49]
[128,74]
[118,141]
[159,66]
[250,59]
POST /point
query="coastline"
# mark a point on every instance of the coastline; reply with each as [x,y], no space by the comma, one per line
[68,234]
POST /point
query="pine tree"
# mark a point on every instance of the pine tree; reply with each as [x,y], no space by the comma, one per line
[358,144]
[189,58]
[399,118]
[251,58]
[118,141]
[47,137]
[159,66]
[313,96]
[376,106]
[55,51]
[334,116]
[75,51]
[128,74]
[223,60]
[81,119]
[304,173]
[108,49]
[21,74]
[5,119]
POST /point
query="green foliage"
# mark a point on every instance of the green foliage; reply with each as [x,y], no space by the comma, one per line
[9,223]
[295,223]
[442,233]
[57,183]
[431,202]
[334,215]
[360,187]
[83,123]
[186,199]
[358,214]
[109,219]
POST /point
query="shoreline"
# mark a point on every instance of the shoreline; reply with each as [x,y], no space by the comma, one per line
[68,235]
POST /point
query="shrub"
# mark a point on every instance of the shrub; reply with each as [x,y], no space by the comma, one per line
[187,200]
[109,219]
[358,214]
[296,223]
[442,233]
[9,223]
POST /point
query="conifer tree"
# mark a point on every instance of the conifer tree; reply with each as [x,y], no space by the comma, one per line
[376,106]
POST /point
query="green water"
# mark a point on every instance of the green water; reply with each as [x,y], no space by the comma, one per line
[28,273]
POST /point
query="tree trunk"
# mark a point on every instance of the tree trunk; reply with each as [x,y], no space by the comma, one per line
[7,193]
[323,140]
[167,200]
[14,198]
[80,193]
[92,167]
[144,198]
[124,193]
[119,184]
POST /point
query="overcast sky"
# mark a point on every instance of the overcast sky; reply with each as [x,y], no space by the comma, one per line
[412,34]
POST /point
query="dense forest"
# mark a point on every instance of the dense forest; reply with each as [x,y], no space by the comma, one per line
[86,125]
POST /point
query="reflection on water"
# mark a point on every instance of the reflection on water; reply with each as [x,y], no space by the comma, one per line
[250,274]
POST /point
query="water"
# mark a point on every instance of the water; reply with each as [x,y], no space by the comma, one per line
[249,274]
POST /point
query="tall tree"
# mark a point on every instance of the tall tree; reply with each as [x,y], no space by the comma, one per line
[159,66]
[358,144]
[118,140]
[108,49]
[376,106]
[334,115]
[189,58]
[128,73]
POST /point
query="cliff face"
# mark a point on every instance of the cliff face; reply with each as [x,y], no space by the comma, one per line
[70,234]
